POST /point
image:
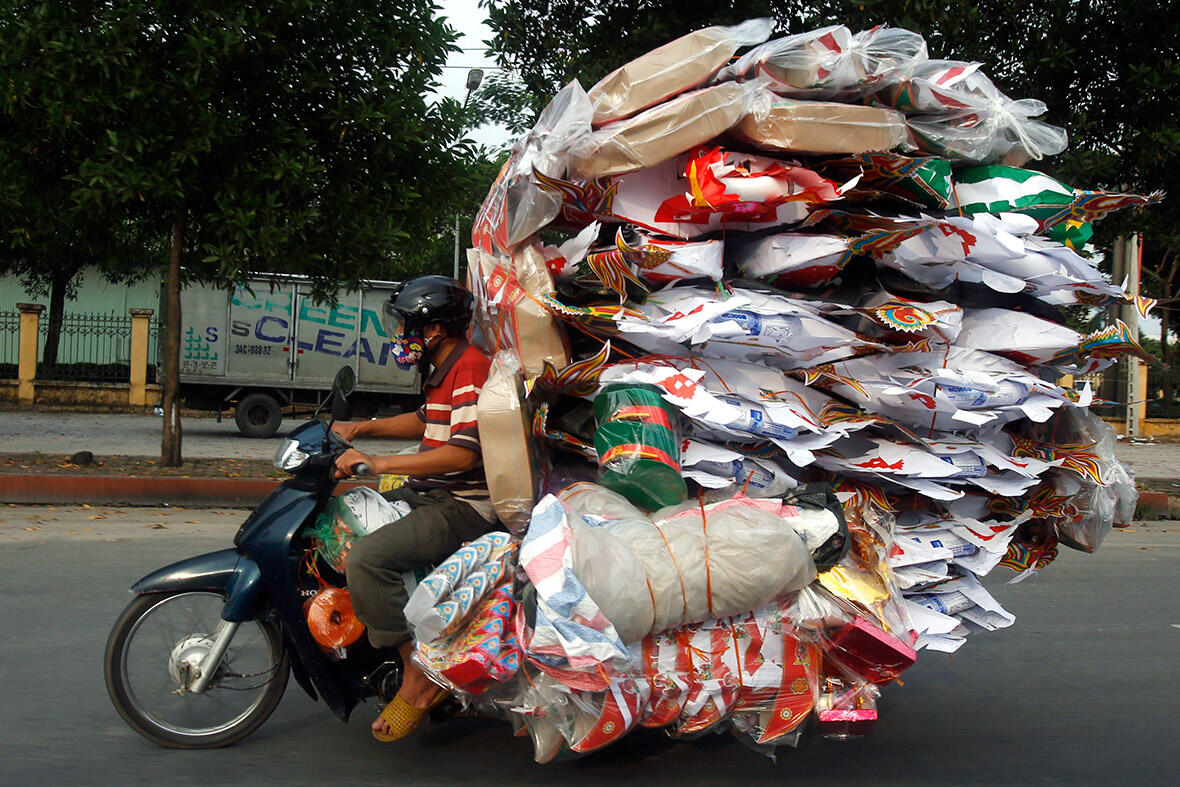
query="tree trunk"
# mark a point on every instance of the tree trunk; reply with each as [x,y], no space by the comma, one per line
[1165,358]
[57,308]
[171,438]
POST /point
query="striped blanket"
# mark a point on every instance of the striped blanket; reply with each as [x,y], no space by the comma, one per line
[570,635]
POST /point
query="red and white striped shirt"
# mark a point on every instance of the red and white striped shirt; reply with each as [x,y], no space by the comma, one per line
[451,392]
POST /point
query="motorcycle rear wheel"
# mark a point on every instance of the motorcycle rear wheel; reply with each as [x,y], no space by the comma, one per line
[145,656]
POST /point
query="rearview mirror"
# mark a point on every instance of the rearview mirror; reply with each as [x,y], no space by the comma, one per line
[342,388]
[345,382]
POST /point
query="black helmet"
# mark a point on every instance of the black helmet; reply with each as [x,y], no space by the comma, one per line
[416,303]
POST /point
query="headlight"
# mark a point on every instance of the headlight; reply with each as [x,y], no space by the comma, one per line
[289,457]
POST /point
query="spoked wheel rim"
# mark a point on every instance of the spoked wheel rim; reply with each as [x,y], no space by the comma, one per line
[171,637]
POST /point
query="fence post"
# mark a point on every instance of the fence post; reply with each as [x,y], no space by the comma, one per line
[140,324]
[30,319]
[1141,405]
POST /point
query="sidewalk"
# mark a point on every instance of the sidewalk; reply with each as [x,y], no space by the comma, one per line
[244,477]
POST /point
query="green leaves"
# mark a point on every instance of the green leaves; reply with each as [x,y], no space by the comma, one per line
[298,135]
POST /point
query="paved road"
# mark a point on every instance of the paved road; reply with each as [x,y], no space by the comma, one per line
[1081,690]
[111,434]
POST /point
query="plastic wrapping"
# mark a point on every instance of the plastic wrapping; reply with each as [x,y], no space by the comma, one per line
[443,600]
[1091,490]
[680,65]
[510,309]
[636,254]
[516,205]
[638,444]
[845,707]
[822,128]
[750,669]
[481,652]
[793,259]
[957,112]
[331,620]
[665,130]
[914,379]
[510,466]
[351,516]
[832,62]
[698,560]
[864,580]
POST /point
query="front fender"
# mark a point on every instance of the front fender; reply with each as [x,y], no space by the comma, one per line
[224,571]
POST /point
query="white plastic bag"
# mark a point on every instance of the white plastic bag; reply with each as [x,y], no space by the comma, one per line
[957,112]
[516,205]
[831,62]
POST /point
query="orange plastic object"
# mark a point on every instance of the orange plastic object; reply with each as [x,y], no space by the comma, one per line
[331,619]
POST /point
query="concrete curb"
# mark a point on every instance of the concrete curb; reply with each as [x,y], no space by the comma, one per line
[1158,505]
[249,492]
[142,491]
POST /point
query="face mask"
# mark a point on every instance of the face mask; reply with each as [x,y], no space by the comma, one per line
[407,350]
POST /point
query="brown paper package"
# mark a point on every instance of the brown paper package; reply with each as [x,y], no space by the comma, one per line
[504,437]
[669,70]
[822,127]
[661,132]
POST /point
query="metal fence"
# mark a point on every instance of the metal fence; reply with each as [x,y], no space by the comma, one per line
[9,344]
[91,347]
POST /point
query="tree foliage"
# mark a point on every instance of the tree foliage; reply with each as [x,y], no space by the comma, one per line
[256,136]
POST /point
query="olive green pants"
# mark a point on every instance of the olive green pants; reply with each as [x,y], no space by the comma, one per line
[437,526]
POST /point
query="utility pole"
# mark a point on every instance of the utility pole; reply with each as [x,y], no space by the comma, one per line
[1135,393]
[474,78]
[455,274]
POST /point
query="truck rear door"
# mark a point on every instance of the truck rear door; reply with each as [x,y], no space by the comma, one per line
[262,323]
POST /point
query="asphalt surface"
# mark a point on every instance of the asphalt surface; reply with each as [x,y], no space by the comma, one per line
[1080,690]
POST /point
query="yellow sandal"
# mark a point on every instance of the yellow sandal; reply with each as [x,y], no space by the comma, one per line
[403,718]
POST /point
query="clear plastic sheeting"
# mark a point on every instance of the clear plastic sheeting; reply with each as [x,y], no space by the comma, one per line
[957,112]
[351,516]
[824,376]
[516,205]
[832,62]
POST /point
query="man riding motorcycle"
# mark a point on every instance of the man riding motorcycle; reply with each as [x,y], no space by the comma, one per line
[426,319]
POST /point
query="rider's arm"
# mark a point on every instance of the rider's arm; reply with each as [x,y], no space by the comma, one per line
[406,426]
[444,459]
[436,461]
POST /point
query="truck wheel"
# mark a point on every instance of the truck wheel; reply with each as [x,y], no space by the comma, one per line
[258,414]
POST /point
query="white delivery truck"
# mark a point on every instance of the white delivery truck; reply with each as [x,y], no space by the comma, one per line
[267,347]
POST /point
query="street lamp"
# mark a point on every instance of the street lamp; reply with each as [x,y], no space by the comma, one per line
[474,78]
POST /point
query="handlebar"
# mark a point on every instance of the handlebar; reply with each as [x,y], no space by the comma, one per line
[360,469]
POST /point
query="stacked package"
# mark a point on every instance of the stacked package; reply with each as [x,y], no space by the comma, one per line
[775,345]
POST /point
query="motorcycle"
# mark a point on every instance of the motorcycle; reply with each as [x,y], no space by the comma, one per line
[202,655]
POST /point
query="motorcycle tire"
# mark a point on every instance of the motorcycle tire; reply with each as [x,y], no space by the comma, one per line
[142,721]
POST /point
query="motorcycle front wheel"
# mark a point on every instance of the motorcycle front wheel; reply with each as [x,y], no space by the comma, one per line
[150,663]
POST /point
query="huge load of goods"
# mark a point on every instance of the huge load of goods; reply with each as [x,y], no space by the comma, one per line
[775,342]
